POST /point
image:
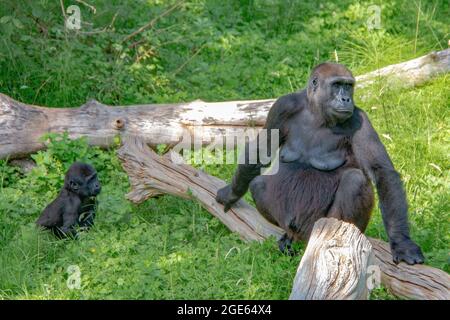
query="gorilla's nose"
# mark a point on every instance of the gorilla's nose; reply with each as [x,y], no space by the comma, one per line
[345,99]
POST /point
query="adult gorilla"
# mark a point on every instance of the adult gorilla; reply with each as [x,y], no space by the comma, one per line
[328,152]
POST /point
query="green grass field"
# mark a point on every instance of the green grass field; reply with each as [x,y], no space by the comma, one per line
[169,248]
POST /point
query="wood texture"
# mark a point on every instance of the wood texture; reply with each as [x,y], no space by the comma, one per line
[420,282]
[151,175]
[22,125]
[335,263]
[410,73]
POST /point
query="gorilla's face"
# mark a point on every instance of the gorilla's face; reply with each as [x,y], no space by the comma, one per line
[339,104]
[92,185]
[333,93]
[82,180]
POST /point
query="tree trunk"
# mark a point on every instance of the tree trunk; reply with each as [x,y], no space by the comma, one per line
[335,263]
[151,175]
[22,125]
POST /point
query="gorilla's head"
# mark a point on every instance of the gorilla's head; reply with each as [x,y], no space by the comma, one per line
[81,179]
[330,92]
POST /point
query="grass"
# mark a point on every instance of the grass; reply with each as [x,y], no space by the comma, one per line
[213,50]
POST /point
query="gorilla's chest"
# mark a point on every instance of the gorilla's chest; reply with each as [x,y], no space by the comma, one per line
[320,148]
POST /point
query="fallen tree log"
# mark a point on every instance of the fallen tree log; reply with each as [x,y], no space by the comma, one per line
[22,125]
[152,175]
[410,73]
[335,263]
[423,282]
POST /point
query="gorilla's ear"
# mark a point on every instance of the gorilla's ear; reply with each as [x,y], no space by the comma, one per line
[314,83]
[73,185]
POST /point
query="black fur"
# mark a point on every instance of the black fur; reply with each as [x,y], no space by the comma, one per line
[75,205]
[329,154]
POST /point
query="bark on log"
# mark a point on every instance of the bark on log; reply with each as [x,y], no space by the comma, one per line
[151,175]
[418,282]
[335,263]
[410,73]
[22,125]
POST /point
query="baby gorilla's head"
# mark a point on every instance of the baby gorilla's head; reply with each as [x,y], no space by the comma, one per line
[81,179]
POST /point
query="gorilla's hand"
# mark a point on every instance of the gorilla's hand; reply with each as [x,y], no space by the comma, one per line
[285,245]
[407,251]
[226,197]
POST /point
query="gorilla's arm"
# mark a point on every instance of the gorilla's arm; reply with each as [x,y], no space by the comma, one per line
[70,216]
[87,213]
[373,158]
[281,110]
[52,214]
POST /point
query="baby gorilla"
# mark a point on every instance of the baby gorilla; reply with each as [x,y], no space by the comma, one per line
[75,204]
